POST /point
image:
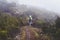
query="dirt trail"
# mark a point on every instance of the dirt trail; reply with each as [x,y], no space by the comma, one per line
[28,33]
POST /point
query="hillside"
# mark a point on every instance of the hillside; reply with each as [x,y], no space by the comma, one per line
[18,10]
[13,20]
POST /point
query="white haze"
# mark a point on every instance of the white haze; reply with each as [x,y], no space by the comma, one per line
[42,14]
[52,5]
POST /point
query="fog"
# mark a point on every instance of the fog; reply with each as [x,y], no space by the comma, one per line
[52,5]
[45,7]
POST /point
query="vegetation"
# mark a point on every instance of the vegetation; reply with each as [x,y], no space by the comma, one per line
[10,27]
[13,23]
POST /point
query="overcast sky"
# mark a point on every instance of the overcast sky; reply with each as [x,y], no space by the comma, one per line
[52,5]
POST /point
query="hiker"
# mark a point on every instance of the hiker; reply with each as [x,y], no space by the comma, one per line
[30,20]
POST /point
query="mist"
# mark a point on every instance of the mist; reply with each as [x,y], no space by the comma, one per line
[16,8]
